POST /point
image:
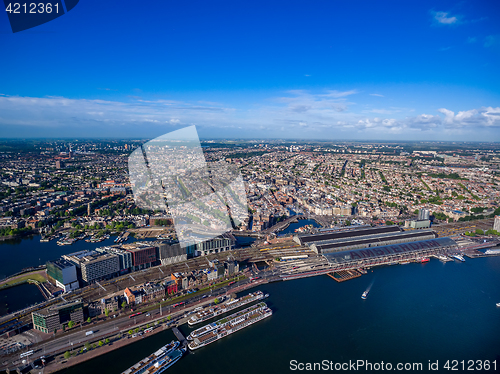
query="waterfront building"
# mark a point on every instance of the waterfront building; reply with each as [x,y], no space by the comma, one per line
[170,253]
[125,257]
[360,258]
[53,318]
[143,255]
[221,243]
[170,287]
[94,266]
[63,273]
[153,291]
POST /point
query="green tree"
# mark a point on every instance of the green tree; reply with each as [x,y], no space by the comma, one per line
[71,324]
[124,305]
[106,341]
[130,332]
[169,318]
[216,301]
[87,346]
[81,351]
[89,320]
[101,343]
[106,312]
[479,232]
[67,355]
[64,327]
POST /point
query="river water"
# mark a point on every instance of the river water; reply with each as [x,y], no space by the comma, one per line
[414,313]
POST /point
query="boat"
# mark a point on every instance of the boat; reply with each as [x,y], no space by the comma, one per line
[225,321]
[216,310]
[365,294]
[423,260]
[154,358]
[224,328]
[163,364]
[459,257]
[498,304]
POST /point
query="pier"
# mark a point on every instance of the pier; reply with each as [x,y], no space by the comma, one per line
[344,275]
[179,336]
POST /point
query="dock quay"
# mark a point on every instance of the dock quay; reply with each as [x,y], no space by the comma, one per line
[344,275]
[180,337]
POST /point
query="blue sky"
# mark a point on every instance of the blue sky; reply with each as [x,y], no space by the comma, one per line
[291,69]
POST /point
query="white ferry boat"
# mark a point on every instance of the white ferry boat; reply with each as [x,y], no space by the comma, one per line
[225,329]
[365,294]
[147,362]
[216,310]
[163,364]
[459,257]
[225,321]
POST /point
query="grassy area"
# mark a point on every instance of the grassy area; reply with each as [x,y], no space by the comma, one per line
[23,279]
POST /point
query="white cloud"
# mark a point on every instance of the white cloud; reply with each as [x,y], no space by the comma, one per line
[379,95]
[444,18]
[298,114]
[471,39]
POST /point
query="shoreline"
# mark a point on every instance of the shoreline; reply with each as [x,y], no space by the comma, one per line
[60,363]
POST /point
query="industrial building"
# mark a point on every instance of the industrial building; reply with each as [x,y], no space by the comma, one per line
[387,254]
[53,318]
[349,233]
[374,241]
[63,273]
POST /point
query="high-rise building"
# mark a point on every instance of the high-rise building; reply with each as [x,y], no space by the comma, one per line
[93,266]
[423,214]
[63,274]
[53,318]
[496,224]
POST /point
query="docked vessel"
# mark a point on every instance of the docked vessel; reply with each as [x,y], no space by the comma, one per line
[228,325]
[459,257]
[147,362]
[163,364]
[423,260]
[216,310]
[365,294]
[223,322]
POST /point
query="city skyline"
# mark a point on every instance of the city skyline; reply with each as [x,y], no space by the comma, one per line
[331,71]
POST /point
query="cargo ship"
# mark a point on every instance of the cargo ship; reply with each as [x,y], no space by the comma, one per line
[216,310]
[227,326]
[148,362]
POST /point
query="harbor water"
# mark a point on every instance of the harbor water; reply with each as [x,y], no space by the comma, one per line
[414,313]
